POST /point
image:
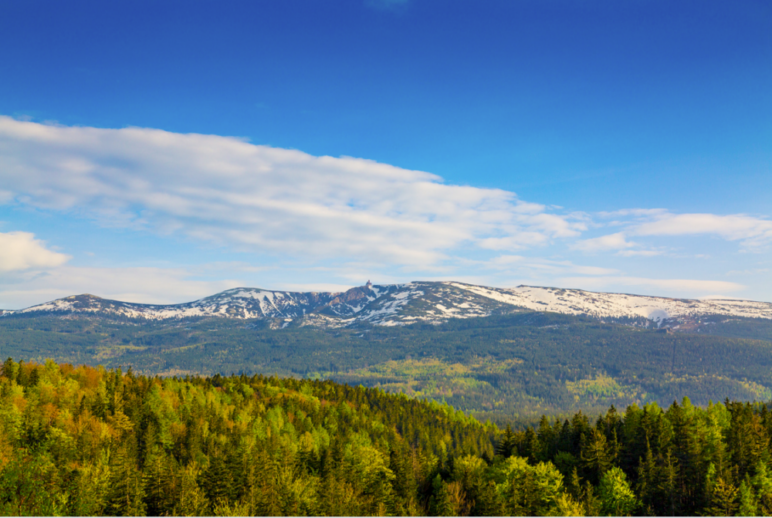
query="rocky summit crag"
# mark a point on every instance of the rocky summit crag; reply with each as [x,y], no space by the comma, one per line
[401,304]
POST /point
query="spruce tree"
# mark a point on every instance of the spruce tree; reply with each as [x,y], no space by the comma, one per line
[596,456]
[440,503]
[616,496]
[127,492]
[747,505]
[506,445]
[723,500]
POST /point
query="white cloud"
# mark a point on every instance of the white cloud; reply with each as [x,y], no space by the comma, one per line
[506,261]
[638,213]
[257,198]
[318,221]
[591,270]
[539,266]
[641,253]
[21,251]
[661,287]
[141,285]
[604,243]
[753,232]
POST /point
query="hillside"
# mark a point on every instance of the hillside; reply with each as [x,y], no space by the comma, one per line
[112,444]
[82,441]
[402,304]
[507,367]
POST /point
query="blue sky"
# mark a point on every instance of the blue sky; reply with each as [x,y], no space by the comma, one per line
[161,151]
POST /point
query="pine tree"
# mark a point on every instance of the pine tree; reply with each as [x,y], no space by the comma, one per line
[669,484]
[10,369]
[506,445]
[723,500]
[127,495]
[158,478]
[747,500]
[647,484]
[590,501]
[440,503]
[566,505]
[531,446]
[762,485]
[192,500]
[596,456]
[90,489]
[217,480]
[487,503]
[548,438]
[616,496]
[404,485]
[574,485]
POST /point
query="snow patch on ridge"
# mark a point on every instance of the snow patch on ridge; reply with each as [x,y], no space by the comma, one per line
[617,305]
[401,304]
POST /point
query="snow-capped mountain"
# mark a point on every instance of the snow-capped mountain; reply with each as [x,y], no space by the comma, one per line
[400,304]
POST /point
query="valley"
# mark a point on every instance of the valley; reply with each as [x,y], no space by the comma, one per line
[489,358]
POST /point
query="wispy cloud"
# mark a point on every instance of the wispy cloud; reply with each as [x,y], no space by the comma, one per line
[263,199]
[320,221]
[534,266]
[753,232]
[616,241]
[642,285]
[639,253]
[142,285]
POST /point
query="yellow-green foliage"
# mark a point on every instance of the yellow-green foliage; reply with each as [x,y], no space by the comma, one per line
[90,441]
[87,441]
[755,391]
[598,386]
[760,392]
[433,378]
[601,387]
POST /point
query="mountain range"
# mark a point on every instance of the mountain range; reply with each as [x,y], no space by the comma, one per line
[500,353]
[401,304]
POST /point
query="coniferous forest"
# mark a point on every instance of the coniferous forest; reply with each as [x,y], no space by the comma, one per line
[91,441]
[510,369]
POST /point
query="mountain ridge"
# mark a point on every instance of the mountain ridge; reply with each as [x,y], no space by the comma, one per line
[402,304]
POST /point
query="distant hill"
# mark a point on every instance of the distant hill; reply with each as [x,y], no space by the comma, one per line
[512,366]
[402,304]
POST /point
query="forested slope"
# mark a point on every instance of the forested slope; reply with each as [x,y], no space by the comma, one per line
[513,367]
[90,441]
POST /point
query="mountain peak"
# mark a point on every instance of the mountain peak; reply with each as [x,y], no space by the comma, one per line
[400,304]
